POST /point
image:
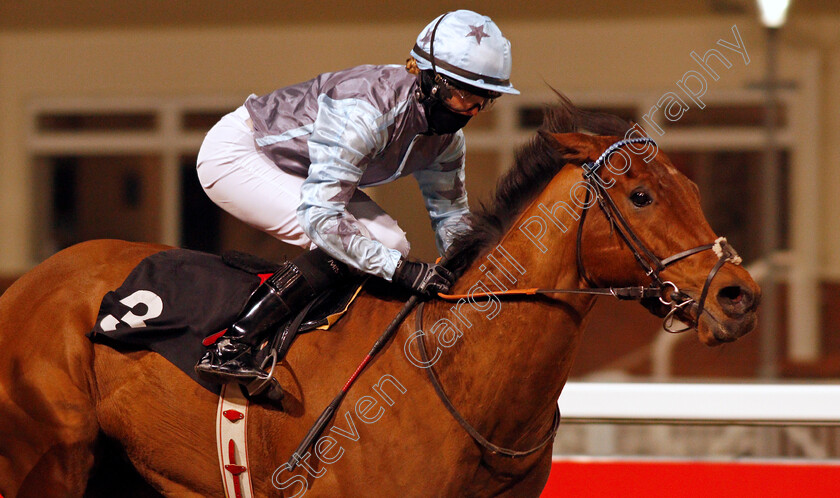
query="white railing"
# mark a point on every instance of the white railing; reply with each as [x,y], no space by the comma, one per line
[746,404]
[700,420]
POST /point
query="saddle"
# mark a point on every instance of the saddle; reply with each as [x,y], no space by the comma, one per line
[175,300]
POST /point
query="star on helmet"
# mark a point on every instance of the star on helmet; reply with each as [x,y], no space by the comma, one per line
[477,32]
[428,37]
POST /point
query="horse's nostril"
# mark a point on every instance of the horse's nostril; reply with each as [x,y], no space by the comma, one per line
[735,296]
[732,293]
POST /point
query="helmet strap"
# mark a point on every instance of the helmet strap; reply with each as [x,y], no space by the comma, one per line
[432,43]
[441,120]
[435,89]
[428,88]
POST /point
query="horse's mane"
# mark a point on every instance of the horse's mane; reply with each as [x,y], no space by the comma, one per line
[535,165]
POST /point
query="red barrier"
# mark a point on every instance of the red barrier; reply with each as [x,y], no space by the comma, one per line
[662,479]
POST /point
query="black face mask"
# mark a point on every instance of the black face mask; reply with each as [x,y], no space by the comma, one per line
[443,121]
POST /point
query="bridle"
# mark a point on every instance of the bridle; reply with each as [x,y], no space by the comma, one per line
[675,300]
[650,263]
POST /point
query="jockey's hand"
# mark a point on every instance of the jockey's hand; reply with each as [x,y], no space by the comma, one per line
[423,278]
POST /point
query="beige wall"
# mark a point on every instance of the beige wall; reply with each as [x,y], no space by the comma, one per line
[826,34]
[612,56]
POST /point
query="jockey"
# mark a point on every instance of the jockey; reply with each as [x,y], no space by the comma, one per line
[291,163]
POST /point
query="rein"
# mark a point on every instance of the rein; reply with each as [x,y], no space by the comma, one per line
[460,419]
[638,292]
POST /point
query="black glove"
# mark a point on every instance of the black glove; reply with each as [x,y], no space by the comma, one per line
[423,278]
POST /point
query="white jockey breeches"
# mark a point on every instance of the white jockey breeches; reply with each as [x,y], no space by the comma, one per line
[243,181]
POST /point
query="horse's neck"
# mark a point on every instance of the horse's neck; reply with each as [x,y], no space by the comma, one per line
[515,353]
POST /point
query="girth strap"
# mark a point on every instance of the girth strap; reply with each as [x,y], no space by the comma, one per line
[231,442]
[466,425]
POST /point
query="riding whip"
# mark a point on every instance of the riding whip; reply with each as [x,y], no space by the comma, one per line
[330,410]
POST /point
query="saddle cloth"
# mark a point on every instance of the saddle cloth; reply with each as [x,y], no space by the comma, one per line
[174,299]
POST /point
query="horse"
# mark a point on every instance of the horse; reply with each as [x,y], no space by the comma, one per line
[494,363]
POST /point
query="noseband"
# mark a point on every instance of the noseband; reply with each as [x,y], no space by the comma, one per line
[650,263]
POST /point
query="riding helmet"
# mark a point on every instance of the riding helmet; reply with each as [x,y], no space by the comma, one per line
[468,47]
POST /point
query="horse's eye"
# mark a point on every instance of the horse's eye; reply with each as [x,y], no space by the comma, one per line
[640,198]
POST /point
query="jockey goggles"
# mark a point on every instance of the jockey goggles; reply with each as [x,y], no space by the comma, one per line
[460,100]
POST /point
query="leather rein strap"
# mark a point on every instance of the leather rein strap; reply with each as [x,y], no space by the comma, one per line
[460,419]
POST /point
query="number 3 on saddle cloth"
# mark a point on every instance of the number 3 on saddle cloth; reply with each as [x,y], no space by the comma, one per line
[176,299]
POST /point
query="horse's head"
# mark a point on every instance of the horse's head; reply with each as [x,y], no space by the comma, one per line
[644,214]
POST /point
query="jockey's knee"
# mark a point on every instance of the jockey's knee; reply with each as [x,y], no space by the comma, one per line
[395,239]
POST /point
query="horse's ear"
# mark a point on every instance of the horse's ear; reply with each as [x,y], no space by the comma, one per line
[576,148]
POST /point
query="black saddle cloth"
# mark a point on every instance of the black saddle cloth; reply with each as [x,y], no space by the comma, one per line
[175,299]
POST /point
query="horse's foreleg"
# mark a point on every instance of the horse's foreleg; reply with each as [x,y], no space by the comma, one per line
[49,431]
[51,450]
[61,471]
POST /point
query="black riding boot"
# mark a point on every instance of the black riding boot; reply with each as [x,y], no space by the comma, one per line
[297,282]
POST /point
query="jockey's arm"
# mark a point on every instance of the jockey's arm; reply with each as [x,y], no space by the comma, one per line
[345,134]
[442,186]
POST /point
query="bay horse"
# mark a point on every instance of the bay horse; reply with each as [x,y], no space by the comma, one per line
[502,362]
